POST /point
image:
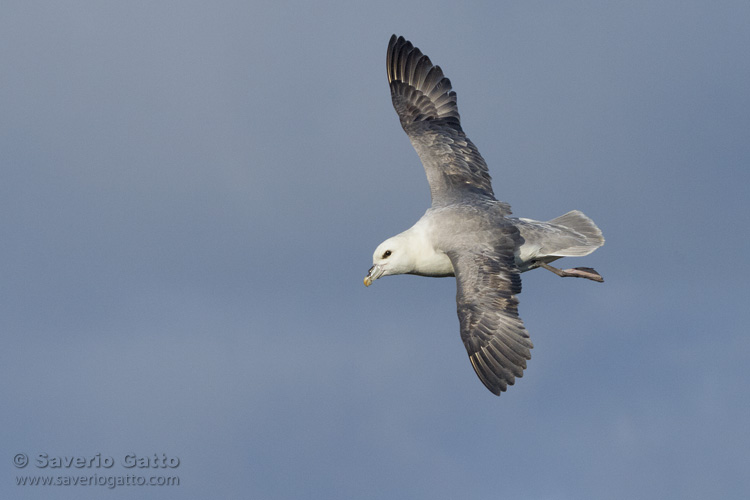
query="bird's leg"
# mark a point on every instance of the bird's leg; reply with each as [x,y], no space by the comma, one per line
[576,272]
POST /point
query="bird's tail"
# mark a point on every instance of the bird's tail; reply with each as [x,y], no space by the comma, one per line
[578,222]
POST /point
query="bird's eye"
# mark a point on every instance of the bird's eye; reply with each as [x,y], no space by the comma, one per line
[387,254]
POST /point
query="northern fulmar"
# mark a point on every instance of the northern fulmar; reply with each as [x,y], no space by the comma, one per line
[466,232]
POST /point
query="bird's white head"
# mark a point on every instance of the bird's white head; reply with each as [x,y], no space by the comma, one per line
[391,257]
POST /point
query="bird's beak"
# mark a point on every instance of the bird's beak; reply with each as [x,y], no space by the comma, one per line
[374,273]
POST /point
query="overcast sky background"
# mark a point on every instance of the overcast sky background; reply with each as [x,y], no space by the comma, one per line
[191,193]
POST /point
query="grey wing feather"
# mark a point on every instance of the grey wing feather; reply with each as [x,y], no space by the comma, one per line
[493,334]
[427,109]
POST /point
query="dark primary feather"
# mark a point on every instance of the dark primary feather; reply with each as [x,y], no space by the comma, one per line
[426,106]
[493,334]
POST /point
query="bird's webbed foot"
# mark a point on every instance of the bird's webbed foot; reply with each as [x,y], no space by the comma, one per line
[576,272]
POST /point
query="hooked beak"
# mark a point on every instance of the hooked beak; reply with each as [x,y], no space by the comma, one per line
[374,273]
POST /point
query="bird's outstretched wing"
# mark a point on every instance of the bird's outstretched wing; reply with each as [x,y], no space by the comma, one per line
[494,335]
[427,108]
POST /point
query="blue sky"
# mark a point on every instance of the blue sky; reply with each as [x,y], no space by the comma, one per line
[191,193]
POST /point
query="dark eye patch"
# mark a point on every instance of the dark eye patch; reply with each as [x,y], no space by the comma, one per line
[386,254]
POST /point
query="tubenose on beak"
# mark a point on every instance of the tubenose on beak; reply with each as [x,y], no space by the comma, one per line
[374,273]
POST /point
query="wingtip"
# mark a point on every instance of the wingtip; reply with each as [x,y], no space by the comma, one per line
[411,75]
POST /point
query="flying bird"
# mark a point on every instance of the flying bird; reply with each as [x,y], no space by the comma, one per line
[466,232]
